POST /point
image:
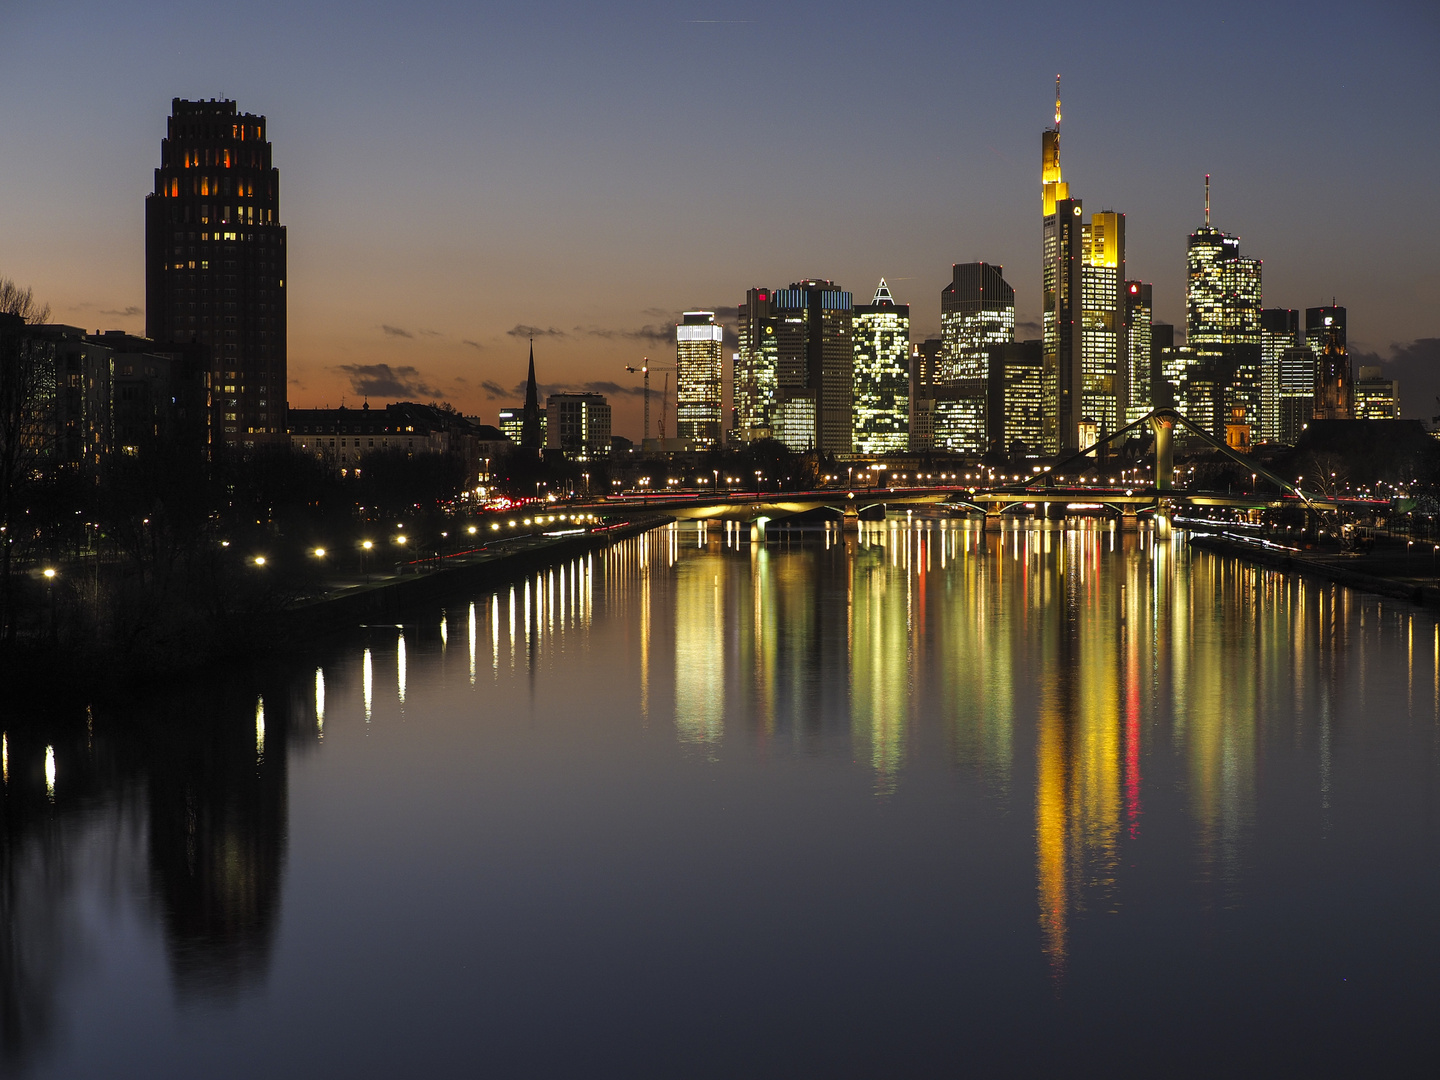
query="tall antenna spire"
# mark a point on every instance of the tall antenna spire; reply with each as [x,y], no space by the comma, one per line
[1207,200]
[1057,102]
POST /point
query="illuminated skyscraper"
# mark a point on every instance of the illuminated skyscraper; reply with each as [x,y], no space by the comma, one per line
[1279,331]
[815,363]
[1222,312]
[924,376]
[882,378]
[1015,399]
[699,378]
[1104,350]
[1295,393]
[215,263]
[1084,340]
[977,310]
[1138,315]
[1223,292]
[1063,256]
[757,366]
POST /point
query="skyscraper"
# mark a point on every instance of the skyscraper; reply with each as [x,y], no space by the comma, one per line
[1063,256]
[699,375]
[977,310]
[1222,313]
[1138,315]
[815,361]
[215,263]
[1104,351]
[1279,332]
[882,378]
[757,367]
[1223,292]
[1083,336]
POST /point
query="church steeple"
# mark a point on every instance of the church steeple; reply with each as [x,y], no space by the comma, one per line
[530,418]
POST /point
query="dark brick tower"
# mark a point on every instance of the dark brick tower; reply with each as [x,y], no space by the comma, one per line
[215,264]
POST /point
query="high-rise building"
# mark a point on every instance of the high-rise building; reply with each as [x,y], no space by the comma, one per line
[1279,331]
[924,376]
[815,362]
[1138,315]
[1376,397]
[757,366]
[1222,313]
[882,378]
[1322,324]
[699,378]
[578,425]
[215,264]
[977,310]
[1015,399]
[1295,393]
[1162,350]
[1104,350]
[1063,256]
[1223,291]
[1084,339]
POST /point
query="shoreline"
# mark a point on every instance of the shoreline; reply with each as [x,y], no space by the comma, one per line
[1411,591]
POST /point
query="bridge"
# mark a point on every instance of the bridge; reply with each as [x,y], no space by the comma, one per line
[1037,493]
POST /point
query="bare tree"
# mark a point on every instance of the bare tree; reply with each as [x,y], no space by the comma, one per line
[26,390]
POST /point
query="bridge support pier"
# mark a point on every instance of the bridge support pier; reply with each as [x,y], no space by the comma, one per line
[1129,522]
[851,522]
[1163,526]
[993,518]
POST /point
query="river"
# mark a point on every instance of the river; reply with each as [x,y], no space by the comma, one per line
[924,800]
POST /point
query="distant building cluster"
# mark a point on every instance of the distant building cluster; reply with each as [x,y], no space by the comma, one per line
[811,368]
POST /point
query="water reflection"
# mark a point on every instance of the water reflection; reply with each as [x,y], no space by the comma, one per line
[179,811]
[1105,689]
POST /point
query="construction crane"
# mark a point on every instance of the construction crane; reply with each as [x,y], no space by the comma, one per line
[644,369]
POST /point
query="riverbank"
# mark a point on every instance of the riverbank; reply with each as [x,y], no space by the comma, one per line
[182,645]
[1392,569]
[385,598]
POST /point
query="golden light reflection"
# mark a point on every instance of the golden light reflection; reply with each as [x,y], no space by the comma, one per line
[320,700]
[699,657]
[367,675]
[5,756]
[400,666]
[50,772]
[470,625]
[259,731]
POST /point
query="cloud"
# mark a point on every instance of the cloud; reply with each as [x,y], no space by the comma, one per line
[655,333]
[383,381]
[472,344]
[1028,326]
[430,333]
[527,331]
[124,313]
[495,392]
[609,388]
[395,331]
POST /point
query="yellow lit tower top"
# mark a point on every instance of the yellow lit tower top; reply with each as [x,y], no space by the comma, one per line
[1055,188]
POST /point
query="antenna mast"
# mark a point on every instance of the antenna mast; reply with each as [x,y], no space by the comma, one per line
[1057,102]
[1207,200]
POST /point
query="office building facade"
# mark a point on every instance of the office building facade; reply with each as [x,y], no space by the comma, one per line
[1139,313]
[215,258]
[756,377]
[1279,332]
[578,425]
[699,378]
[977,310]
[1376,397]
[815,363]
[881,333]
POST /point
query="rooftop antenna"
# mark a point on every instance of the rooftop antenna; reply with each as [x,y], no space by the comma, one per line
[1057,102]
[1207,200]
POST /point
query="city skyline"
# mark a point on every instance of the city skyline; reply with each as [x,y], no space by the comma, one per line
[484,210]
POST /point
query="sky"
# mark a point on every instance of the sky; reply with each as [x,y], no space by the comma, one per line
[456,177]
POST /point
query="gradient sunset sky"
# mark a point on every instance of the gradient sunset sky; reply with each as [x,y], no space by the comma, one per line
[454,174]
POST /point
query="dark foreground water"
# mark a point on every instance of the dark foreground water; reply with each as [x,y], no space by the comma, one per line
[920,802]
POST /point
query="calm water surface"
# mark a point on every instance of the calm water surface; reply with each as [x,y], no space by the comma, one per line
[922,801]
